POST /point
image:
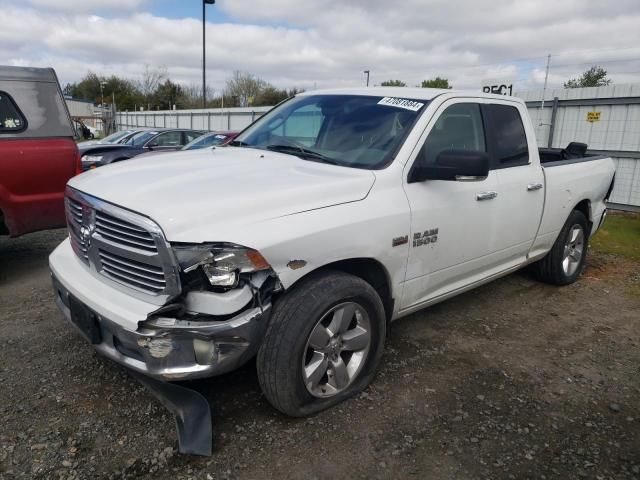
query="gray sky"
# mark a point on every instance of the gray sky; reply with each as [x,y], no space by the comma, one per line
[330,42]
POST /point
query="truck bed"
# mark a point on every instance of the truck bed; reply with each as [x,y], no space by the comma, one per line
[574,153]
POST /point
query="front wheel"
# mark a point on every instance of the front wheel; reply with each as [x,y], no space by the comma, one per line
[323,344]
[565,261]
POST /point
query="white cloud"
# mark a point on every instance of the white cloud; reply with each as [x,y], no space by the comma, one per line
[310,43]
[75,6]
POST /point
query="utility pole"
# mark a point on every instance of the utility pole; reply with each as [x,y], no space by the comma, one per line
[204,52]
[546,79]
[367,72]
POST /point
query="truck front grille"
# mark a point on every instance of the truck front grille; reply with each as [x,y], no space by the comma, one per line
[125,270]
[124,233]
[121,246]
[74,223]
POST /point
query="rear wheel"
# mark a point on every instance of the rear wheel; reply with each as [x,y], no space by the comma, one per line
[323,344]
[565,261]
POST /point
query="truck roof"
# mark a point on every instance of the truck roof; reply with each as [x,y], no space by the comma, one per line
[405,92]
[8,72]
[38,98]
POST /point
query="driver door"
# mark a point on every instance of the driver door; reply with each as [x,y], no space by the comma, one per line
[453,223]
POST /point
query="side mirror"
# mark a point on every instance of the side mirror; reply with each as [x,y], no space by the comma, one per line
[461,165]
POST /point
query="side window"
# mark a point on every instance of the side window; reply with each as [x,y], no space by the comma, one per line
[509,140]
[191,136]
[168,139]
[11,119]
[459,127]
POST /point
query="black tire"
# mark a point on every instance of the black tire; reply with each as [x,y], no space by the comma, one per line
[294,315]
[550,268]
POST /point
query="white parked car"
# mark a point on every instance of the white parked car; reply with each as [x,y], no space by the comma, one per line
[334,214]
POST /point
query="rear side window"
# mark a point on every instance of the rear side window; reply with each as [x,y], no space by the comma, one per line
[11,119]
[508,138]
[168,139]
[459,127]
[191,136]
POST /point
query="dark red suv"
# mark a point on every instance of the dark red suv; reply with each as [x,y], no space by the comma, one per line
[38,154]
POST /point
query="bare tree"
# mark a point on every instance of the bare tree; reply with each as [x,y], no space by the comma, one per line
[150,80]
[242,88]
[193,96]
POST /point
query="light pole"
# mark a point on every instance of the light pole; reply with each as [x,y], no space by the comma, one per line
[102,85]
[367,72]
[204,53]
[102,115]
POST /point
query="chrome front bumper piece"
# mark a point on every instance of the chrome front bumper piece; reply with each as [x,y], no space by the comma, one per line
[168,348]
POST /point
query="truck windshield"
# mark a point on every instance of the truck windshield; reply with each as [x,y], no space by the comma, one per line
[347,130]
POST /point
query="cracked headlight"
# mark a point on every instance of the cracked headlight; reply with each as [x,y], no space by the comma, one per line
[221,264]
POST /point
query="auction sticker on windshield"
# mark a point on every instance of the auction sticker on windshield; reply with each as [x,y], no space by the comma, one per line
[401,103]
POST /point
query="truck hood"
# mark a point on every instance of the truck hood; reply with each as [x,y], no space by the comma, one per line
[196,195]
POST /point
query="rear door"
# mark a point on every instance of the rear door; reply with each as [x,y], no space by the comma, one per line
[519,177]
[453,223]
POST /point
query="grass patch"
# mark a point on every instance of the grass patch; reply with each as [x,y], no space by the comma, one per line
[620,235]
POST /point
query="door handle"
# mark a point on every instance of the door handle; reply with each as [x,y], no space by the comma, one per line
[534,186]
[486,195]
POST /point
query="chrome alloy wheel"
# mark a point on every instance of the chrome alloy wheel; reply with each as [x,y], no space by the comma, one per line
[336,350]
[573,250]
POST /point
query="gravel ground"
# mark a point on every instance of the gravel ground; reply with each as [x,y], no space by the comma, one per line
[513,380]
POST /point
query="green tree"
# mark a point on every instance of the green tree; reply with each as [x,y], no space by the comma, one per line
[122,91]
[271,95]
[168,94]
[393,83]
[436,83]
[594,77]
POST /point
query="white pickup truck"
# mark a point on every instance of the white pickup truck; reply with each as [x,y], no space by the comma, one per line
[332,215]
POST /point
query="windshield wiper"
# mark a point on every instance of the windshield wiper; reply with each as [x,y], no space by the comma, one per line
[238,143]
[302,152]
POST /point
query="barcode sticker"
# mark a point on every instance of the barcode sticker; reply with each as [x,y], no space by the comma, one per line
[401,103]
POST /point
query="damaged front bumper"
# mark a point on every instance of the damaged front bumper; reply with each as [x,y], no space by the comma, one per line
[160,347]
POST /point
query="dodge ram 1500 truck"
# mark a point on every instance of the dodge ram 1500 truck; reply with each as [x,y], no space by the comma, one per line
[332,215]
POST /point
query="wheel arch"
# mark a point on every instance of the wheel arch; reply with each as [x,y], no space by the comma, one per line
[584,206]
[368,269]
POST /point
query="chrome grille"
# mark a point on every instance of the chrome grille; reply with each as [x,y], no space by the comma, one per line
[142,275]
[122,246]
[124,233]
[74,222]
